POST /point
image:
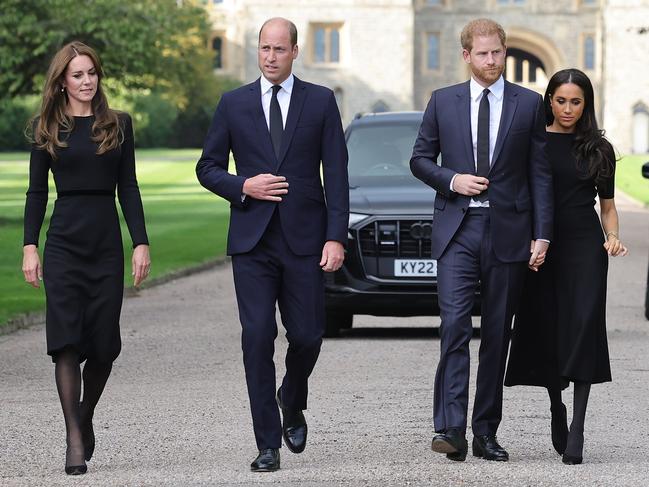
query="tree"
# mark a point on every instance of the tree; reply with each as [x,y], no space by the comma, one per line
[142,43]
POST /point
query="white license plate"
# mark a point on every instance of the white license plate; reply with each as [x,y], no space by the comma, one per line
[419,267]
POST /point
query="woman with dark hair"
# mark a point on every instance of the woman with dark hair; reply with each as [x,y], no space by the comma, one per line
[89,149]
[559,332]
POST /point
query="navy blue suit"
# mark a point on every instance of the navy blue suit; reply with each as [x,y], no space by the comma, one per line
[276,247]
[486,246]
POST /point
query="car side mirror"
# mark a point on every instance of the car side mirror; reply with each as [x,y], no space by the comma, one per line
[645,169]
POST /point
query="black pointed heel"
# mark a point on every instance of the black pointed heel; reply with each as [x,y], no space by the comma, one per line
[88,441]
[570,460]
[74,469]
[87,435]
[559,428]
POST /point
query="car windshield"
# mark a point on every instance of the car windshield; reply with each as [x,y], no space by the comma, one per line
[381,150]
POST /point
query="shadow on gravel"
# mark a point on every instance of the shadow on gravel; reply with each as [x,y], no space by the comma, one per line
[392,333]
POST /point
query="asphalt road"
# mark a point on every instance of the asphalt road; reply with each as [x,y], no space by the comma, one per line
[175,411]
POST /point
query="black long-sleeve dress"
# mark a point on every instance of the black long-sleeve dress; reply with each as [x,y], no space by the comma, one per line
[83,259]
[559,331]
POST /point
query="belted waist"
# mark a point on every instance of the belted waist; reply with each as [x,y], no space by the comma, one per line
[85,192]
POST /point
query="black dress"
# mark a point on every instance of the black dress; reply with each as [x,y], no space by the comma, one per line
[83,259]
[559,331]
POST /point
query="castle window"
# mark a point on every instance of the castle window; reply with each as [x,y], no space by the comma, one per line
[432,51]
[589,52]
[217,51]
[325,39]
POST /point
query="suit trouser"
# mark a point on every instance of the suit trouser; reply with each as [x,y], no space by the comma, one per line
[468,260]
[271,273]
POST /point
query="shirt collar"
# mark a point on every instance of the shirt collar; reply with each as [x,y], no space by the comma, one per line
[497,89]
[287,84]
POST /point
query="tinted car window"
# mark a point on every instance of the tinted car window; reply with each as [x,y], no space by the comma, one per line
[381,150]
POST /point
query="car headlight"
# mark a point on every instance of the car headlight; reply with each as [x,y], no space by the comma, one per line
[356,217]
[353,219]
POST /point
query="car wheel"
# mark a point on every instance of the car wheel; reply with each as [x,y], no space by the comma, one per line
[335,321]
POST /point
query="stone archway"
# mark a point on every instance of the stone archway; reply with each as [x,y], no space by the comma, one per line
[533,51]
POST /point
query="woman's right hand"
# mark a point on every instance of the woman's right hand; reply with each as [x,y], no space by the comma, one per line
[32,265]
[614,247]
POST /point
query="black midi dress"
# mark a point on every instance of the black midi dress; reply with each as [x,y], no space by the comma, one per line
[559,331]
[83,259]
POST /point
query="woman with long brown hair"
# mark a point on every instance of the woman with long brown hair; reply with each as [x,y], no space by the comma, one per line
[559,333]
[89,149]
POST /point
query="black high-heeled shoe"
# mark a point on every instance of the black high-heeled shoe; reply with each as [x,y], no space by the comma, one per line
[87,435]
[570,460]
[88,441]
[559,428]
[575,456]
[74,469]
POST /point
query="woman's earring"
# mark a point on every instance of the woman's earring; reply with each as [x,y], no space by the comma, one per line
[62,89]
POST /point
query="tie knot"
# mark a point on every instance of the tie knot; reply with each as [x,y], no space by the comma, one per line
[485,92]
[276,89]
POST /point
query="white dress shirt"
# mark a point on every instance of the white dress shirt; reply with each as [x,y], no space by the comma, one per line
[283,97]
[496,92]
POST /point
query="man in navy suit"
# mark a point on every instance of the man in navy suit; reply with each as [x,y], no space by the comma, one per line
[493,213]
[283,231]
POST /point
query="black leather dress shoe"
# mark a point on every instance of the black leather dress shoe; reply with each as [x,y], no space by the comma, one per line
[266,461]
[453,443]
[487,447]
[559,428]
[294,427]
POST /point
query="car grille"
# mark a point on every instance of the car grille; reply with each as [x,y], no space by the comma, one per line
[396,238]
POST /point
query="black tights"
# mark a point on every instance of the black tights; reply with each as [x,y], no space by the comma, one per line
[580,402]
[68,383]
[555,398]
[576,435]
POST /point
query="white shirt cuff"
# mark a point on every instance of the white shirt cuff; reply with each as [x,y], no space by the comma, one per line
[451,185]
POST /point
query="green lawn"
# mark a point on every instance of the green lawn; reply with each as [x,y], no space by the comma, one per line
[186,224]
[629,178]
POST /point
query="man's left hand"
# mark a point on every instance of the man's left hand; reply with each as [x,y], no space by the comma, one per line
[333,255]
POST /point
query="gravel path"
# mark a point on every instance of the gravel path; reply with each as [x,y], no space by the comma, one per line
[175,411]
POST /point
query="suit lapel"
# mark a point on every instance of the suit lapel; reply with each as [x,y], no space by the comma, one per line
[464,117]
[298,96]
[510,102]
[259,122]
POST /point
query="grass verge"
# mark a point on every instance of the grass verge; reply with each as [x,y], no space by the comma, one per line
[187,225]
[628,177]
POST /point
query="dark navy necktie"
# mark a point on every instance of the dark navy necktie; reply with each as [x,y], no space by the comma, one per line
[482,152]
[276,124]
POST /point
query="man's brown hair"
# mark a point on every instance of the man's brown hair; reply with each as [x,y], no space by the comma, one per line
[481,27]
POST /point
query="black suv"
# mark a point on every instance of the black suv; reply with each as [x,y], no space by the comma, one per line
[388,269]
